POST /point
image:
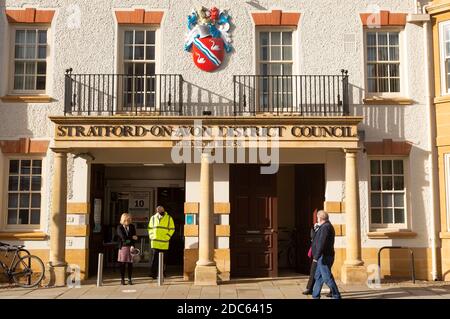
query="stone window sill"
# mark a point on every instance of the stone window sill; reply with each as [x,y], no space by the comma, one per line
[23,235]
[442,99]
[378,100]
[388,234]
[26,99]
[444,235]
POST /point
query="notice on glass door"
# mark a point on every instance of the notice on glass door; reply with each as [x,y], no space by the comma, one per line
[138,206]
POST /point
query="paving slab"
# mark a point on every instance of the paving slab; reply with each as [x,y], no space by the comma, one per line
[50,293]
[194,292]
[272,293]
[248,293]
[75,293]
[176,292]
[291,292]
[153,292]
[228,292]
[210,292]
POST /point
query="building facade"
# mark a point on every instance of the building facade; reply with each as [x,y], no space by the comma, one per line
[440,13]
[106,108]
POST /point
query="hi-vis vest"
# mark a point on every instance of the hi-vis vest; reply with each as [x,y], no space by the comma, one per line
[160,231]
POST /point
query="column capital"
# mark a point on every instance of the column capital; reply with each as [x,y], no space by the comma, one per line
[352,150]
[57,150]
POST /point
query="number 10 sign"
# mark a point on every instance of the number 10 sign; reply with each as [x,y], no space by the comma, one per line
[138,202]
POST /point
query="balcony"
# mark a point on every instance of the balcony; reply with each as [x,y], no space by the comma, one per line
[302,95]
[113,94]
[168,95]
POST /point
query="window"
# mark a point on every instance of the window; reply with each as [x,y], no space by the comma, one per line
[139,57]
[24,192]
[275,58]
[383,62]
[30,60]
[387,193]
[447,190]
[444,31]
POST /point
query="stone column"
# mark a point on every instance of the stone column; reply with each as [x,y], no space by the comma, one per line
[353,271]
[206,270]
[58,218]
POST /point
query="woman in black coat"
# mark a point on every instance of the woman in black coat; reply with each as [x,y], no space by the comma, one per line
[126,232]
[312,273]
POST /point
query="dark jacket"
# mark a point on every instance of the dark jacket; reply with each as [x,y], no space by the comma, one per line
[124,238]
[313,232]
[323,243]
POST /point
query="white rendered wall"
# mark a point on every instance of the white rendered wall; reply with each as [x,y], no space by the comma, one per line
[324,25]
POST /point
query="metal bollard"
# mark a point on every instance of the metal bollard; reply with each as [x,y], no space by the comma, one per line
[100,270]
[160,269]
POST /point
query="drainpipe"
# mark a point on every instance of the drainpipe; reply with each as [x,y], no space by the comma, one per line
[432,142]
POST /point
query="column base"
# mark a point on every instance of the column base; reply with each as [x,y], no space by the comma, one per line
[353,275]
[205,276]
[58,275]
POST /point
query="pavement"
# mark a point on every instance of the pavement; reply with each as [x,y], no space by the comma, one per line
[287,287]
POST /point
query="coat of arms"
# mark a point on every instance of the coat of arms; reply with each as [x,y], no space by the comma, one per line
[208,37]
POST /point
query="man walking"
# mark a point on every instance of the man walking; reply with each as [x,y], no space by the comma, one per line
[323,254]
[160,229]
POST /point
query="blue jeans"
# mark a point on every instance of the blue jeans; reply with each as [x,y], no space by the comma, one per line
[324,276]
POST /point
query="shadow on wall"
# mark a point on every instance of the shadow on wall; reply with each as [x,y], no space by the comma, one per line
[255,4]
[198,100]
[385,119]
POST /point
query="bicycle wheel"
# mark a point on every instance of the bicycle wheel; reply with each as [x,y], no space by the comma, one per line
[291,256]
[28,271]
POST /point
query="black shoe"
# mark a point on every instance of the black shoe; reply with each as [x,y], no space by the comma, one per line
[307,292]
[122,282]
[130,282]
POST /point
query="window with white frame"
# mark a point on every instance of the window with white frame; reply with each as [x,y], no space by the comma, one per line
[387,193]
[383,61]
[444,37]
[24,192]
[139,62]
[30,60]
[447,187]
[275,58]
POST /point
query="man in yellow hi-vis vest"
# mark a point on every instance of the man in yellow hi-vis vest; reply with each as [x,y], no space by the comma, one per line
[160,229]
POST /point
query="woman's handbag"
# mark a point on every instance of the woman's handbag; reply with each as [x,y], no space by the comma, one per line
[135,255]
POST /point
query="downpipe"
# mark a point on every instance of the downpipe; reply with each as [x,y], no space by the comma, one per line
[432,158]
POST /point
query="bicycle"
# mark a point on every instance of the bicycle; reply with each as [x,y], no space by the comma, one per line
[27,271]
[289,247]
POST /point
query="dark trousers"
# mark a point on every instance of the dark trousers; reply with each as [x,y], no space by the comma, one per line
[154,260]
[324,276]
[312,274]
[122,270]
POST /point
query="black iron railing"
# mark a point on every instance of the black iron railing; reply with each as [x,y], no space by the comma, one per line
[110,94]
[304,95]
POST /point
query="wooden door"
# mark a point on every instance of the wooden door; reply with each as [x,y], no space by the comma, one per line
[253,198]
[309,196]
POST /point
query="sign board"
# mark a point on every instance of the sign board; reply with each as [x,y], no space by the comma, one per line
[97,215]
[139,202]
